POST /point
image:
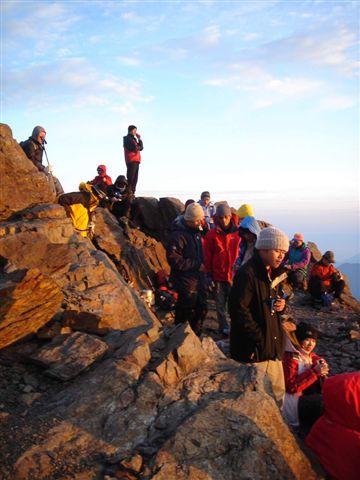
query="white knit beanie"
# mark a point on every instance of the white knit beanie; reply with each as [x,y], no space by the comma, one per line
[194,212]
[272,238]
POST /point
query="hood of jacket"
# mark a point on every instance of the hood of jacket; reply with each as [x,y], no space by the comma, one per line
[341,394]
[103,168]
[251,224]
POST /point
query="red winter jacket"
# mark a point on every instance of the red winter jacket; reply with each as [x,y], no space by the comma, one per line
[324,272]
[298,382]
[102,179]
[335,437]
[220,252]
[132,148]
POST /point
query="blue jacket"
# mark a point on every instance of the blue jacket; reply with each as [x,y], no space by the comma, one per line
[209,212]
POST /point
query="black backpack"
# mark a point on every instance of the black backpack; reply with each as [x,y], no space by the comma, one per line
[165,300]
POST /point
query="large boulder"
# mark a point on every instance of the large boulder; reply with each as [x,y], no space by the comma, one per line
[136,256]
[22,185]
[28,300]
[96,298]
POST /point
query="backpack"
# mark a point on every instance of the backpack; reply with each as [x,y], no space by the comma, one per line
[165,299]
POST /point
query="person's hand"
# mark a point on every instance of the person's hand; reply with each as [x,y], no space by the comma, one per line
[49,169]
[289,326]
[202,268]
[279,304]
[287,266]
[322,368]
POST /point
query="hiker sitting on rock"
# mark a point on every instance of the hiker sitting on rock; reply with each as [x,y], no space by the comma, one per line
[304,372]
[80,207]
[335,437]
[221,246]
[208,208]
[34,148]
[296,262]
[186,259]
[120,197]
[102,178]
[326,283]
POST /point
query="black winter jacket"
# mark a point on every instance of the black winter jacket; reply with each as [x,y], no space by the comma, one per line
[256,333]
[34,152]
[185,256]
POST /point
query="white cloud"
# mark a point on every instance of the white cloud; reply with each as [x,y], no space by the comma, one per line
[211,36]
[130,61]
[340,102]
[71,82]
[265,88]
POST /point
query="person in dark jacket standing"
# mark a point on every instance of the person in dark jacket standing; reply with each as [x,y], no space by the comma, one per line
[255,304]
[186,259]
[221,245]
[133,145]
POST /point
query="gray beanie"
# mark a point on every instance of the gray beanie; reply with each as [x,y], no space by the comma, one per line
[223,210]
[194,212]
[272,238]
[37,130]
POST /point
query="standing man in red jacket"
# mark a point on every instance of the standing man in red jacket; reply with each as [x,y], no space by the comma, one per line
[221,246]
[132,148]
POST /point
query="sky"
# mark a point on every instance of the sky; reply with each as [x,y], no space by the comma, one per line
[254,101]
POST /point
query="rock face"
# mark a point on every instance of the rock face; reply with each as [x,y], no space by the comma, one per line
[155,216]
[20,317]
[34,185]
[177,421]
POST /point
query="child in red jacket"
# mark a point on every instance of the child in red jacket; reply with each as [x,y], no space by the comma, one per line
[303,371]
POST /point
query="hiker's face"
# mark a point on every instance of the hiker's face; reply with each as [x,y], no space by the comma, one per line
[133,131]
[194,224]
[272,258]
[206,200]
[308,344]
[41,137]
[224,221]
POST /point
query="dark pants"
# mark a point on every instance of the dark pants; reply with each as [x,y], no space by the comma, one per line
[191,307]
[121,209]
[132,174]
[317,287]
[221,297]
[296,278]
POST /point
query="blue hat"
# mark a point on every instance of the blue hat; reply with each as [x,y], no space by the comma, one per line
[250,224]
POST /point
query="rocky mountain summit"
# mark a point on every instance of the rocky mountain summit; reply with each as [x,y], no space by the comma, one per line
[97,385]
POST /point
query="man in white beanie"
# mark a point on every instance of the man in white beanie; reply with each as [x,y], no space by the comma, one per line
[255,304]
[186,259]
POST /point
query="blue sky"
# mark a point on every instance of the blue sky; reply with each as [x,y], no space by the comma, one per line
[256,101]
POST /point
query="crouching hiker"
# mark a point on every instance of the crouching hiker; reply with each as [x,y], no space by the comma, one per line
[34,148]
[120,200]
[304,373]
[186,259]
[80,207]
[326,283]
[255,304]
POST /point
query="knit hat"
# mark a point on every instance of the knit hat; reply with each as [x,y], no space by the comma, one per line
[194,212]
[131,128]
[223,210]
[299,237]
[205,195]
[37,130]
[245,210]
[304,330]
[250,224]
[272,238]
[329,256]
